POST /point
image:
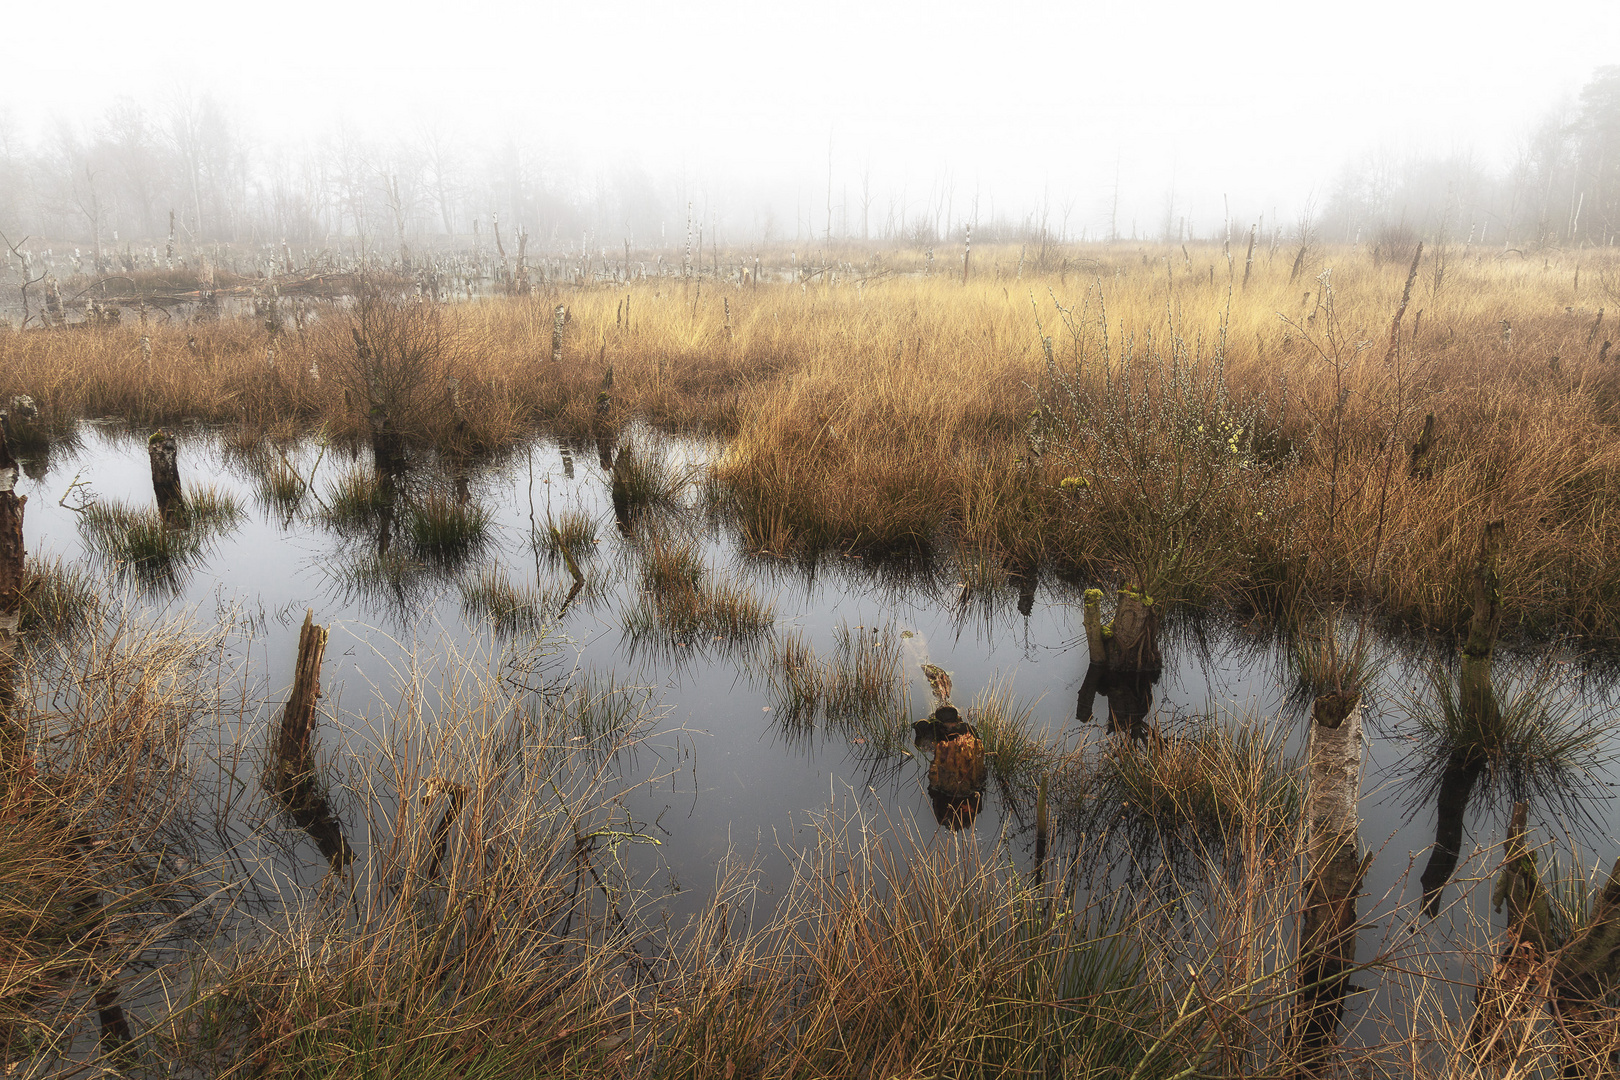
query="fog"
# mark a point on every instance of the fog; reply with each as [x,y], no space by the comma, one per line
[595,123]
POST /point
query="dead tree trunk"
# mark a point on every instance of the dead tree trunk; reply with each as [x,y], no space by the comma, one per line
[294,780]
[1487,618]
[1327,920]
[12,580]
[161,449]
[559,319]
[1094,627]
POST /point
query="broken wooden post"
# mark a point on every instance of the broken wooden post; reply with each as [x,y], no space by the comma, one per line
[1327,920]
[164,455]
[293,776]
[957,771]
[12,580]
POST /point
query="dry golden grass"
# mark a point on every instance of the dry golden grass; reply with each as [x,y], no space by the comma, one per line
[882,412]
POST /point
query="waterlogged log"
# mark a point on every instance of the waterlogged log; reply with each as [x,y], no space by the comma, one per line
[293,763]
[165,459]
[1328,920]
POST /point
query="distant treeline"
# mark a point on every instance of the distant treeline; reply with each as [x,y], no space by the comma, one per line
[1561,186]
[189,174]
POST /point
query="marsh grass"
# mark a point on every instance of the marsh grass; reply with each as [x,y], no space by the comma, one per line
[277,487]
[574,532]
[890,418]
[1018,754]
[495,923]
[1203,781]
[865,693]
[797,679]
[137,540]
[1328,656]
[599,712]
[681,599]
[60,599]
[491,595]
[444,530]
[355,499]
[643,478]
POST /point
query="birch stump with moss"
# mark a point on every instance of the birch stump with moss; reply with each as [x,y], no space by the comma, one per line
[165,458]
[1327,919]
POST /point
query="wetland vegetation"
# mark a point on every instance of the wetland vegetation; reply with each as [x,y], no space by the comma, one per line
[1395,479]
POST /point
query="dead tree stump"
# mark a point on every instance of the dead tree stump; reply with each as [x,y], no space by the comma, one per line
[164,455]
[294,780]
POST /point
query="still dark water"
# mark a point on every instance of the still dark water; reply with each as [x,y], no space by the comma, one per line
[730,779]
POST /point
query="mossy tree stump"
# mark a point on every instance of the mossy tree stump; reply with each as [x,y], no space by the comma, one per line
[1131,642]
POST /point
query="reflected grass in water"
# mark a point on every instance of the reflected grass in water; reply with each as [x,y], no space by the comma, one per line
[1524,732]
[491,595]
[137,540]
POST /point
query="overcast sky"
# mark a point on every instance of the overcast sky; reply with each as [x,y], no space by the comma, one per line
[1262,101]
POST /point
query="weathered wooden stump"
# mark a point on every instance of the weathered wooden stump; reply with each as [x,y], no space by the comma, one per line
[293,777]
[165,459]
[956,768]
